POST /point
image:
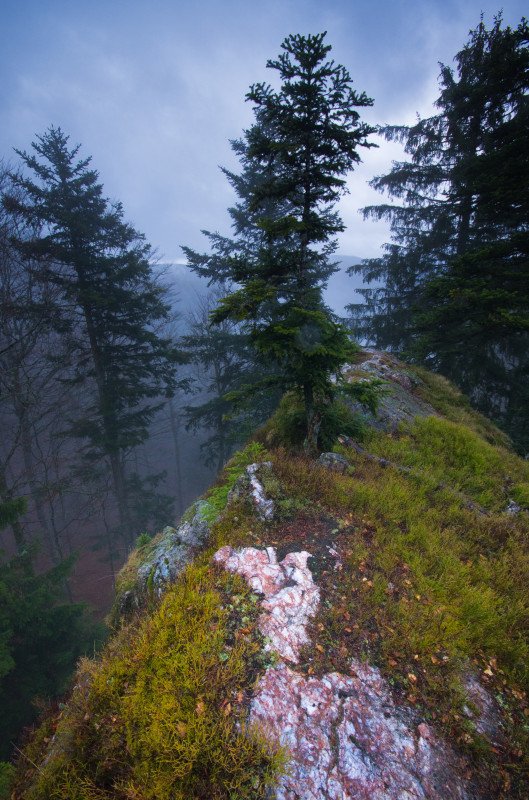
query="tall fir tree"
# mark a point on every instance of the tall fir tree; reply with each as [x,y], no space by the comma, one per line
[454,280]
[110,304]
[41,634]
[225,364]
[295,158]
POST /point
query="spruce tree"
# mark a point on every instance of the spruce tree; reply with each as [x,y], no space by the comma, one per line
[304,142]
[225,365]
[109,308]
[455,275]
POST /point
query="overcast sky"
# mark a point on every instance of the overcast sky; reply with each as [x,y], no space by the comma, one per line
[155,90]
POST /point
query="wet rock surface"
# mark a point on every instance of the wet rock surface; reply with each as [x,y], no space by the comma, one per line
[348,740]
[163,560]
[400,404]
[290,594]
[347,737]
[173,551]
[334,462]
[251,486]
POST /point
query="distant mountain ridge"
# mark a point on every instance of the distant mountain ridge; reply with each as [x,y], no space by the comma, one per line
[341,291]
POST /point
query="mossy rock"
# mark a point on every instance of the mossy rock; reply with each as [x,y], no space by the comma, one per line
[152,568]
[399,403]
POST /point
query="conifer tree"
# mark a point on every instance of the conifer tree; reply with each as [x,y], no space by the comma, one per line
[41,634]
[304,142]
[455,276]
[110,303]
[225,364]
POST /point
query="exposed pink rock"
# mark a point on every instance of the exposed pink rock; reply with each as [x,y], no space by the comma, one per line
[349,740]
[291,596]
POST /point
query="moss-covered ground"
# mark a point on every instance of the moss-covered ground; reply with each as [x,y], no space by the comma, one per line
[432,591]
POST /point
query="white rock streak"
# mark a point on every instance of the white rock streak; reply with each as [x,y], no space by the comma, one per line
[265,508]
[348,740]
[291,596]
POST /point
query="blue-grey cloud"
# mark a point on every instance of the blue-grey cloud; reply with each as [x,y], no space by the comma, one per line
[154,91]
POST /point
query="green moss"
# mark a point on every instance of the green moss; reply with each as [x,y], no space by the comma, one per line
[288,426]
[7,773]
[455,406]
[162,714]
[450,453]
[429,588]
[520,494]
[217,497]
[424,576]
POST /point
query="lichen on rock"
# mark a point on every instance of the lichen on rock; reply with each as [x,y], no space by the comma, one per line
[157,565]
[334,462]
[399,403]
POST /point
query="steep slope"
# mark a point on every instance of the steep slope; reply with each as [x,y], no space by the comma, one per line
[352,627]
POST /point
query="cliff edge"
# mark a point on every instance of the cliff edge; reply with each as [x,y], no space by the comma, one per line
[352,626]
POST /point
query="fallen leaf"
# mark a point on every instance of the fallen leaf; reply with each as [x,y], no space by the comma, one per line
[320,648]
[245,630]
[412,678]
[200,707]
[227,710]
[392,663]
[181,729]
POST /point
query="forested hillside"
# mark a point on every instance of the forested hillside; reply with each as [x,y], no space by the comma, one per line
[120,404]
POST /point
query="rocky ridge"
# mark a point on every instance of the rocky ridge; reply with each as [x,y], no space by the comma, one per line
[350,731]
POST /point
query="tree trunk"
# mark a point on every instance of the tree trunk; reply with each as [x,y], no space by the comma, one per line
[29,465]
[175,429]
[18,531]
[313,417]
[120,490]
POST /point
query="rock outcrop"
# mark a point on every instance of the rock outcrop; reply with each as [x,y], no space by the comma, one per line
[400,403]
[162,560]
[347,738]
[381,642]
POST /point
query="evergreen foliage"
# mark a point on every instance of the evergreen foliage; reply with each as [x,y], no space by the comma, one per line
[226,364]
[454,291]
[41,636]
[110,302]
[295,158]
